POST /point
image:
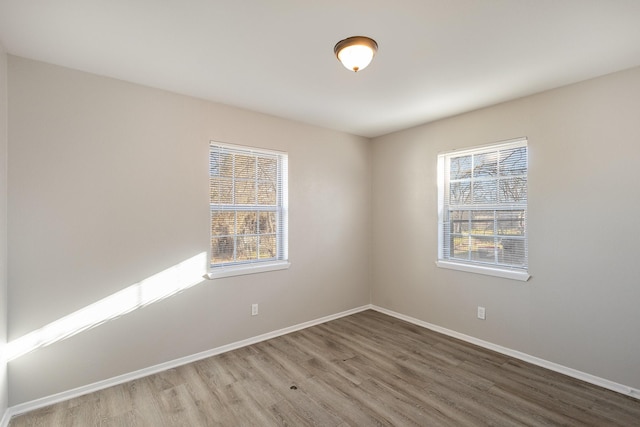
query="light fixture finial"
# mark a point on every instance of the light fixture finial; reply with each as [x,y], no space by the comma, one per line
[355,53]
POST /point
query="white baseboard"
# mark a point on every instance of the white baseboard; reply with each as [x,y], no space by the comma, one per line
[101,385]
[6,417]
[592,379]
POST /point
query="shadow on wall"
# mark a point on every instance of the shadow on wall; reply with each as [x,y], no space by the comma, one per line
[155,288]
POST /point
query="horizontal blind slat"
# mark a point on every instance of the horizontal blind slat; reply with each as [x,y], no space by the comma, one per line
[248,195]
[484,205]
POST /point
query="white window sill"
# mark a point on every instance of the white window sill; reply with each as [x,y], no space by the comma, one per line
[239,270]
[522,276]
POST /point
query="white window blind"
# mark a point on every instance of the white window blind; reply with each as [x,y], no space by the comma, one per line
[482,207]
[248,204]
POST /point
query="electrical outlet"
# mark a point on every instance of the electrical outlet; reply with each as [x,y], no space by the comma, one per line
[254,309]
[481,313]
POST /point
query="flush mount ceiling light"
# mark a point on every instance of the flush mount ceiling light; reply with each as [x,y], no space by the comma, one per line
[356,53]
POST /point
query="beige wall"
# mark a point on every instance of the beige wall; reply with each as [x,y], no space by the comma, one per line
[109,185]
[580,308]
[3,229]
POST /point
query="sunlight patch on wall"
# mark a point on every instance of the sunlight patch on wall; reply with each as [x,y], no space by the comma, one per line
[162,285]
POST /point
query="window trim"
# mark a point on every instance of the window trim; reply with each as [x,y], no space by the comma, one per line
[522,276]
[256,266]
[244,269]
[470,267]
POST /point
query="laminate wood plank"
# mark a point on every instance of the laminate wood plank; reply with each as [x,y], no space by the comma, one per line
[231,401]
[126,419]
[412,387]
[306,406]
[389,370]
[368,369]
[615,409]
[115,401]
[541,397]
[279,376]
[81,415]
[314,361]
[144,402]
[531,399]
[338,395]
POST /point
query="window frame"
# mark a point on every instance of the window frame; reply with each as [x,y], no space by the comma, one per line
[470,265]
[257,265]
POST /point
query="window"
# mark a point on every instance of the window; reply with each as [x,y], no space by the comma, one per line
[482,210]
[248,204]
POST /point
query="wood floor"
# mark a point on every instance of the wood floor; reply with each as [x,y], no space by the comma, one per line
[367,369]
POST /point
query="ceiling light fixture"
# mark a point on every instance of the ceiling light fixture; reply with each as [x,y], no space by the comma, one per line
[356,53]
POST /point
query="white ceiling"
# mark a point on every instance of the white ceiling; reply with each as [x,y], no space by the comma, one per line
[436,58]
